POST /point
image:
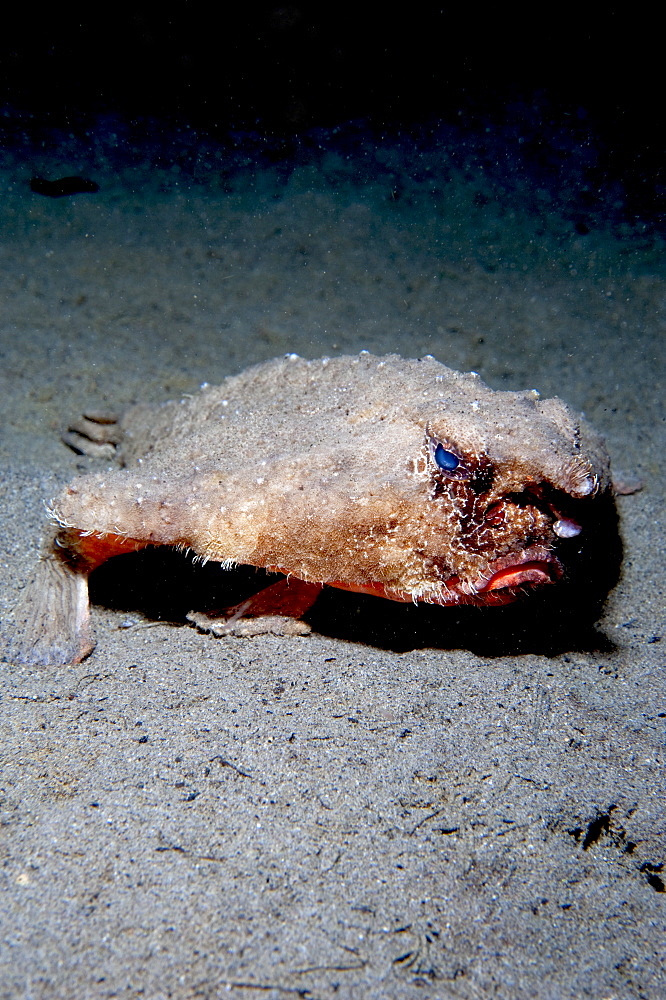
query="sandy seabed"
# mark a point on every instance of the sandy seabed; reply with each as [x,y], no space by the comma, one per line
[412,803]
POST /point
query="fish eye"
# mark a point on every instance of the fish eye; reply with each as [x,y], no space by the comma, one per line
[446,460]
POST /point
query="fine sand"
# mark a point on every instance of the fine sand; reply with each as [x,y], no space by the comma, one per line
[409,802]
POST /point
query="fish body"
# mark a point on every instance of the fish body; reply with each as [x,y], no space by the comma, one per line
[401,478]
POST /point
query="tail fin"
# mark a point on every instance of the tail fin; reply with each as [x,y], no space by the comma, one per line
[52,617]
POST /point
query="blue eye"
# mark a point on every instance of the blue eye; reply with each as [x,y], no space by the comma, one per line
[446,460]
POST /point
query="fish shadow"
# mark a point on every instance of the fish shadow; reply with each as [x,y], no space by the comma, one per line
[164,585]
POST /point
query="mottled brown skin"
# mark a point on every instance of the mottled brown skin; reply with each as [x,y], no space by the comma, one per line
[381,475]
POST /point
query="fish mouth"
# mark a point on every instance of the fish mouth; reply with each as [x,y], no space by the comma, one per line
[504,579]
[532,567]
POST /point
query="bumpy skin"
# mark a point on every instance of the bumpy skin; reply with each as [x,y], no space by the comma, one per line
[402,478]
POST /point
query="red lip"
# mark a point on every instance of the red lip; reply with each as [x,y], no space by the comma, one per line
[534,566]
[533,572]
